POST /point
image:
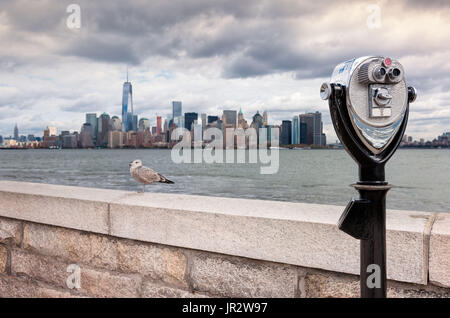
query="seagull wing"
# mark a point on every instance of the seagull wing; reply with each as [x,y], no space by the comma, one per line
[148,175]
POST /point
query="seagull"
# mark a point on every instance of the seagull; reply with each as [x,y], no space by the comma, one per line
[145,175]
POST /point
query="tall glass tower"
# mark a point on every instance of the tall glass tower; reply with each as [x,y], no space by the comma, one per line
[176,109]
[295,135]
[91,118]
[16,133]
[127,106]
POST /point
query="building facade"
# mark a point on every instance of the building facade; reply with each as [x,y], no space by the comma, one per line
[313,131]
[229,117]
[189,119]
[103,130]
[91,118]
[286,132]
[16,133]
[295,135]
[212,119]
[176,109]
[116,123]
[158,125]
[144,124]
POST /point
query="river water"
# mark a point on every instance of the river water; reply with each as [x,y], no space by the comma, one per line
[421,177]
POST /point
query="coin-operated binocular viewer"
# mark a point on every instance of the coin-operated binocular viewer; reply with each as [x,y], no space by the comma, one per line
[369,104]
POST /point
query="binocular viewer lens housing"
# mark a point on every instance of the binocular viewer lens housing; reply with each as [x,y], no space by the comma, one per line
[376,97]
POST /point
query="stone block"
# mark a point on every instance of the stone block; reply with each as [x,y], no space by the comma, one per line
[10,229]
[330,286]
[40,268]
[236,277]
[440,251]
[152,289]
[16,287]
[157,262]
[107,284]
[78,247]
[415,291]
[3,259]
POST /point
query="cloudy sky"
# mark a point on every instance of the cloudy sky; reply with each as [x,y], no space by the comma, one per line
[211,55]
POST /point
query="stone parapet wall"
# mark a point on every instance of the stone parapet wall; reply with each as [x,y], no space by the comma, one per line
[165,245]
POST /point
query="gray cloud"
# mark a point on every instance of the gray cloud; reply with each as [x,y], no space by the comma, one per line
[98,49]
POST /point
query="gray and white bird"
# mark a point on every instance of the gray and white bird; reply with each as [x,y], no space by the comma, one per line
[145,175]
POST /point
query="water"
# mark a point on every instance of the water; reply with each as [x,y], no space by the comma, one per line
[422,177]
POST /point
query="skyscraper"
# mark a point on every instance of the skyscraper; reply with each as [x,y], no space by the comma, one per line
[86,136]
[317,129]
[240,115]
[176,109]
[116,123]
[50,131]
[265,118]
[103,130]
[303,133]
[189,118]
[286,132]
[144,124]
[203,116]
[158,125]
[179,122]
[134,123]
[127,106]
[295,135]
[91,118]
[16,133]
[212,119]
[242,123]
[314,128]
[308,120]
[198,134]
[229,117]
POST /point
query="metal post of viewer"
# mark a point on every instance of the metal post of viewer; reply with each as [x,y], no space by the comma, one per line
[369,101]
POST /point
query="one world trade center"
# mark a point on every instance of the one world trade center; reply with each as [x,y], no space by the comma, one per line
[127,106]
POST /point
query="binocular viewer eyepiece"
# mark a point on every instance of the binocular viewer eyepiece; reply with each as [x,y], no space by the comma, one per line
[382,71]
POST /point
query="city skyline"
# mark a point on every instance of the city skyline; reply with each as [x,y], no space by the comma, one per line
[308,132]
[211,59]
[110,132]
[298,133]
[304,129]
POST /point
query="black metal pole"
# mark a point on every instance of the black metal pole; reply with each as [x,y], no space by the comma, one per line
[373,246]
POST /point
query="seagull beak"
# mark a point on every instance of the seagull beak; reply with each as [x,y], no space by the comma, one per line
[130,164]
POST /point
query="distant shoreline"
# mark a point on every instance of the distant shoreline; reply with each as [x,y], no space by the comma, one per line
[281,147]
